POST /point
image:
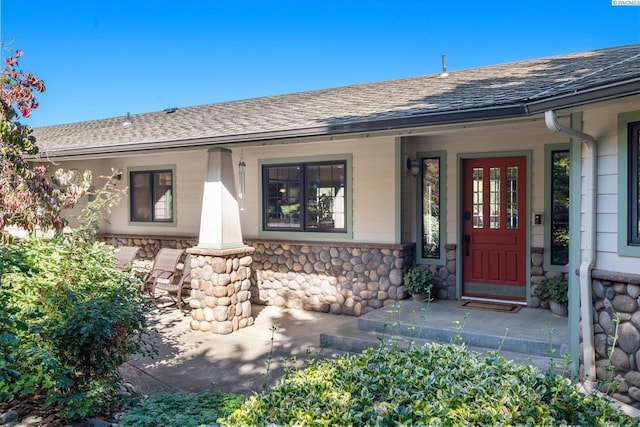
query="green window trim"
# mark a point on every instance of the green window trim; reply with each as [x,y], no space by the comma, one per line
[626,212]
[343,233]
[549,151]
[172,204]
[440,255]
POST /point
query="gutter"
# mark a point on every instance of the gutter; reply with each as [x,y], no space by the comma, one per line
[329,129]
[588,248]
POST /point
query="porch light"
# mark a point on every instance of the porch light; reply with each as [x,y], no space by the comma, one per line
[241,173]
[413,166]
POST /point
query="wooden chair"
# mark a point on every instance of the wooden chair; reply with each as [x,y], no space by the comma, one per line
[163,274]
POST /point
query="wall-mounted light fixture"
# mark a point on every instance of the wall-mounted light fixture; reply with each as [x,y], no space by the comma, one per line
[413,166]
[242,166]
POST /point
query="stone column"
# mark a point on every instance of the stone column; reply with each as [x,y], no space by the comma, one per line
[220,289]
[221,263]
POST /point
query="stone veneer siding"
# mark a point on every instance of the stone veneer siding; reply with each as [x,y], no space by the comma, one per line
[220,289]
[538,274]
[150,245]
[333,277]
[445,275]
[613,294]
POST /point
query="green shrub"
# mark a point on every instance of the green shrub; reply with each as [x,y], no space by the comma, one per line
[432,385]
[418,280]
[554,289]
[84,317]
[181,410]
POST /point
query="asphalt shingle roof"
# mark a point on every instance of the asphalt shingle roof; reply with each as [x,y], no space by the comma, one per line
[338,110]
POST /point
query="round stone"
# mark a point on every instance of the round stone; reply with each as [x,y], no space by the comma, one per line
[606,323]
[624,303]
[628,338]
[633,291]
[620,360]
[633,377]
[225,327]
[206,272]
[395,277]
[219,265]
[220,313]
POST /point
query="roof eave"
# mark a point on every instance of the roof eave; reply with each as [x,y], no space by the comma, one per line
[587,96]
[362,126]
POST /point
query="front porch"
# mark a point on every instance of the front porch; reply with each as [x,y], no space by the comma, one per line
[530,336]
[192,361]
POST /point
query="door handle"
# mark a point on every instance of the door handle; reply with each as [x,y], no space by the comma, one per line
[467,242]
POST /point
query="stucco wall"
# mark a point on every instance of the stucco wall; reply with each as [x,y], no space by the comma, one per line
[373,193]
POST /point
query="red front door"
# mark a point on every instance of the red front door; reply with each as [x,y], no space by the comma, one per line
[494,228]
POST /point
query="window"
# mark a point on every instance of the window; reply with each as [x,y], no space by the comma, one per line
[633,213]
[431,224]
[305,196]
[559,209]
[628,213]
[151,196]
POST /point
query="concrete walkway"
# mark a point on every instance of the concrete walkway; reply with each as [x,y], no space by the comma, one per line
[194,361]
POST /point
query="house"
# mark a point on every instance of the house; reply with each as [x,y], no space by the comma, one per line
[494,177]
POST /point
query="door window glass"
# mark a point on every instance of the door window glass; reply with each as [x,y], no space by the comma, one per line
[512,197]
[477,197]
[431,208]
[494,195]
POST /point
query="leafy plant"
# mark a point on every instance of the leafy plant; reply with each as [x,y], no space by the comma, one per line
[554,289]
[418,280]
[28,196]
[181,409]
[430,385]
[82,318]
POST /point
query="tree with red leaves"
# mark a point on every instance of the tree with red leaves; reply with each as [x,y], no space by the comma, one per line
[28,199]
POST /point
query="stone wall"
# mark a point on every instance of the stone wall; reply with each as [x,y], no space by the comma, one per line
[333,277]
[617,295]
[445,275]
[538,274]
[150,245]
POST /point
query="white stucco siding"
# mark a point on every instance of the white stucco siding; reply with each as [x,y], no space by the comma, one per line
[372,193]
[190,167]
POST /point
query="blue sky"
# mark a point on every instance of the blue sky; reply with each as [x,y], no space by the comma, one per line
[104,58]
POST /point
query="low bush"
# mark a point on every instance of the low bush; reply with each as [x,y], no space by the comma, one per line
[181,410]
[83,318]
[431,385]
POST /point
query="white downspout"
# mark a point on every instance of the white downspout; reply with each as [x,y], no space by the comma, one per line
[588,248]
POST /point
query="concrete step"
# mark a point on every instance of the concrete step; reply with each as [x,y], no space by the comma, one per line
[488,339]
[528,337]
[350,339]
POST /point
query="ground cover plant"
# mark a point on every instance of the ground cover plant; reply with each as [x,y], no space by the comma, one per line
[430,385]
[181,409]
